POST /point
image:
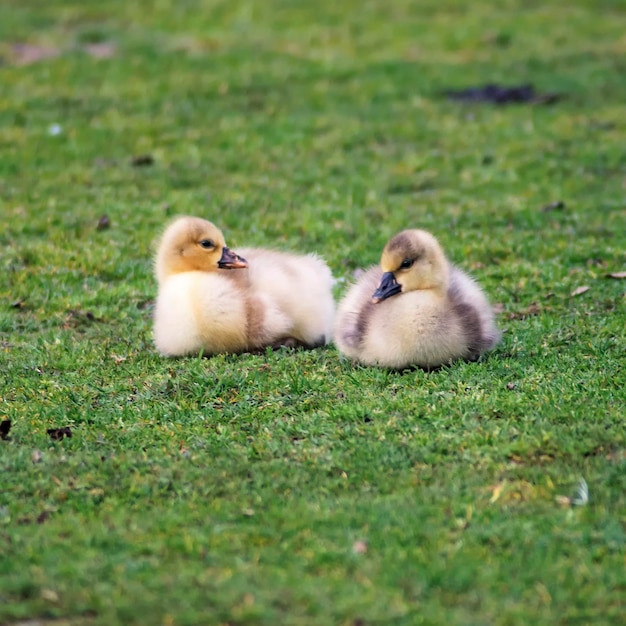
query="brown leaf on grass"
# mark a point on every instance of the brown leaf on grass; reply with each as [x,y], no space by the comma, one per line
[18,304]
[58,434]
[580,290]
[616,275]
[27,53]
[532,309]
[5,427]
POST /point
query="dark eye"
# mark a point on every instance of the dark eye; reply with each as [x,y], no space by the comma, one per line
[207,243]
[406,263]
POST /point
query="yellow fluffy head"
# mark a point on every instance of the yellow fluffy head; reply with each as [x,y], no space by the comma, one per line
[193,244]
[416,261]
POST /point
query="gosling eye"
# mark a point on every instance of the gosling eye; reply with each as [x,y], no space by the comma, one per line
[406,263]
[207,244]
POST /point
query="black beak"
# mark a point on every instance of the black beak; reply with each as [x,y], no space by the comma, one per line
[230,260]
[388,287]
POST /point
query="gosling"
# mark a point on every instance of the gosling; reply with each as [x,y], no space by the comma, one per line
[212,300]
[416,309]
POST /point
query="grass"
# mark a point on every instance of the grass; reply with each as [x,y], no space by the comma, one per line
[293,487]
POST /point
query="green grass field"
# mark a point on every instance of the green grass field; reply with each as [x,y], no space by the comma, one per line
[293,488]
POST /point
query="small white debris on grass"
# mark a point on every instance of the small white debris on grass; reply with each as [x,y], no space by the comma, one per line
[582,493]
[581,498]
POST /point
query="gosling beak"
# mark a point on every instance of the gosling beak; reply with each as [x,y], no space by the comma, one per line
[388,287]
[230,260]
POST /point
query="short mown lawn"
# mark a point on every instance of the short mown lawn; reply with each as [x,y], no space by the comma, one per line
[293,487]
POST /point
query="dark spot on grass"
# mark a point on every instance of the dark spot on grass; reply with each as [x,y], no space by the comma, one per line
[409,187]
[602,450]
[503,40]
[499,95]
[145,304]
[598,125]
[142,160]
[558,205]
[5,427]
[103,223]
[43,516]
[92,34]
[18,304]
[75,318]
[531,310]
[58,434]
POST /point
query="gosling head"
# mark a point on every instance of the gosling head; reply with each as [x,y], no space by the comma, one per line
[193,244]
[412,260]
